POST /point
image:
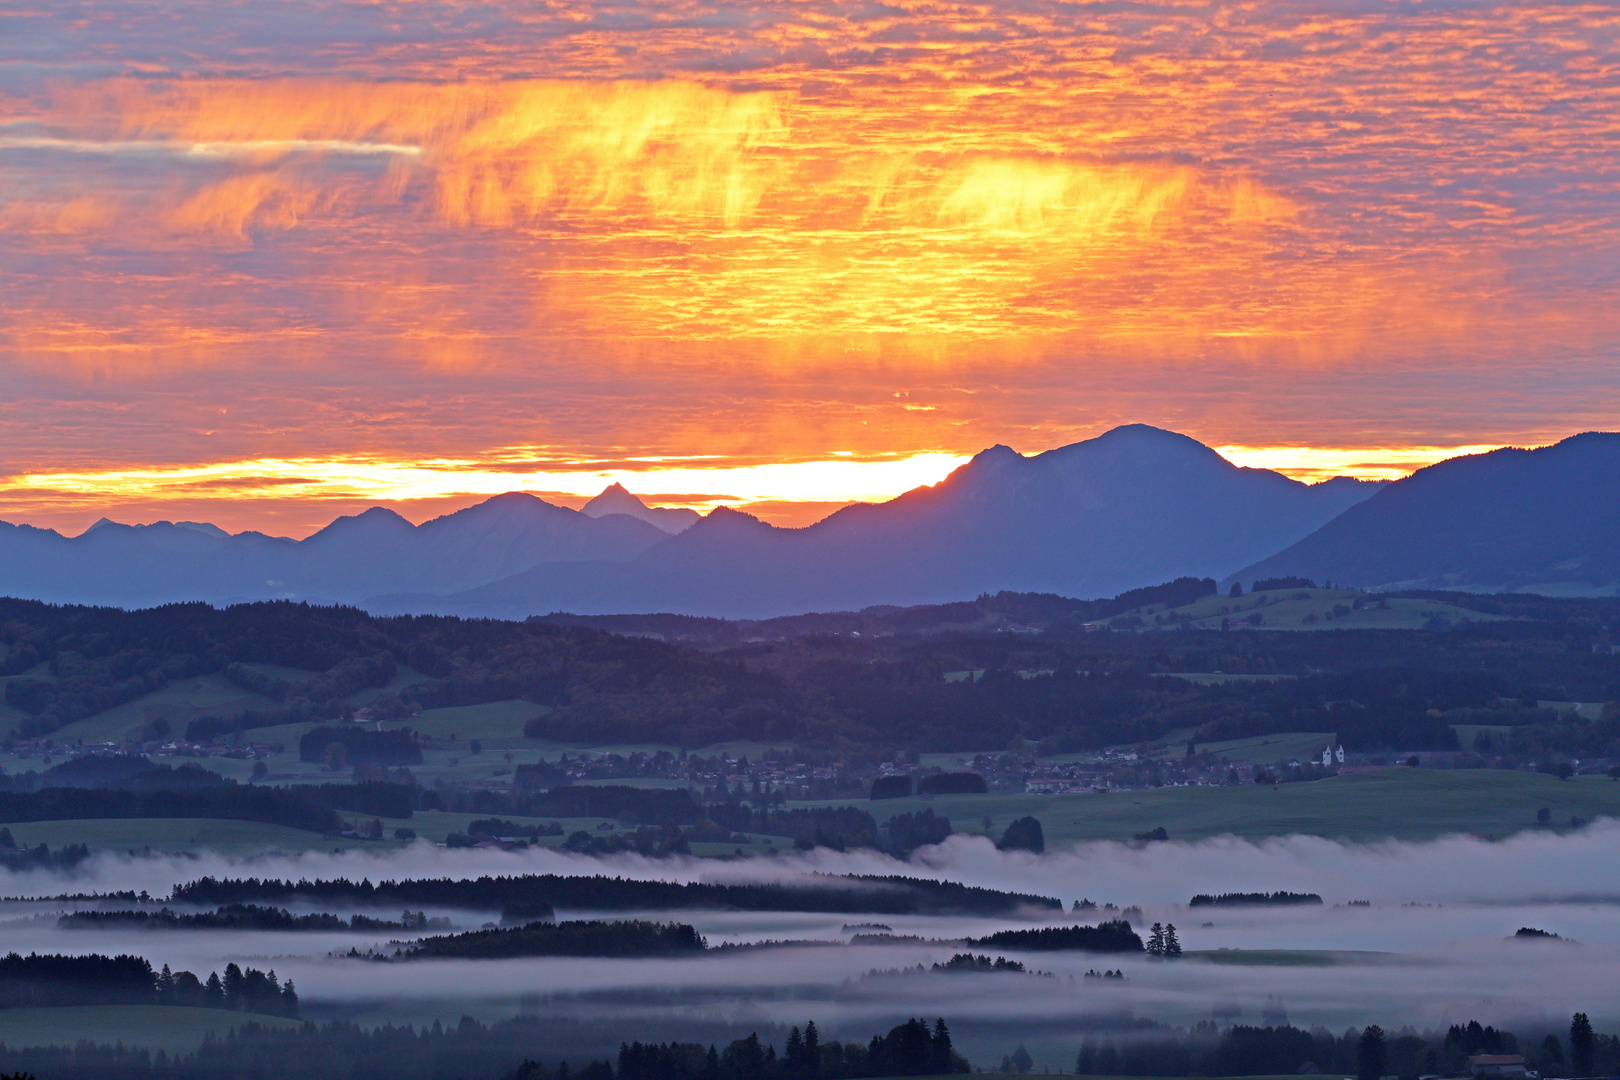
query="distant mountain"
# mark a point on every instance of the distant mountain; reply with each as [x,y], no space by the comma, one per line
[1545,520]
[1133,507]
[616,500]
[352,558]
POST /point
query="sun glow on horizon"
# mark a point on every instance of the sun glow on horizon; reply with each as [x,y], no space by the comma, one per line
[793,492]
[685,483]
[1313,464]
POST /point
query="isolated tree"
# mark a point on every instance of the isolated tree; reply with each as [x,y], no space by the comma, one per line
[260,770]
[1236,590]
[1021,1061]
[1552,1051]
[1582,1045]
[1155,941]
[1172,946]
[1371,1054]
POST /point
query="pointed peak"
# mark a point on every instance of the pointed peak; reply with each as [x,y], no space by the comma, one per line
[616,499]
[103,523]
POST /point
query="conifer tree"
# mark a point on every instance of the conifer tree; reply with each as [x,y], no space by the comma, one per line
[1582,1045]
[1172,945]
[1155,942]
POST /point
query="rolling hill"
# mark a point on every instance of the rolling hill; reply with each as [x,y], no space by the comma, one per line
[1544,520]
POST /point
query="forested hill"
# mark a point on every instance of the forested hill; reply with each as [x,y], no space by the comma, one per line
[848,894]
[1045,675]
[67,663]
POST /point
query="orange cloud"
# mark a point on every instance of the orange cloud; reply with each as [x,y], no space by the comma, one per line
[741,229]
[238,204]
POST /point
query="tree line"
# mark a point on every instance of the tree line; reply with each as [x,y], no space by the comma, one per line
[1112,936]
[339,1050]
[44,980]
[1254,899]
[242,917]
[855,894]
[584,937]
[1368,1053]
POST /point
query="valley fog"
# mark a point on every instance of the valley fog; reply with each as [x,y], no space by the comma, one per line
[1432,947]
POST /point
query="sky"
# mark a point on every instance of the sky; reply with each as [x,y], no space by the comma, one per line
[262,263]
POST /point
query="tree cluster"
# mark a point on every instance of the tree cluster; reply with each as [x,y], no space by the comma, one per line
[43,980]
[588,937]
[854,894]
[1113,936]
[1254,899]
[240,917]
[1162,941]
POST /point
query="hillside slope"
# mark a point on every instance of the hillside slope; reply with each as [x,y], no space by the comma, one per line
[1545,520]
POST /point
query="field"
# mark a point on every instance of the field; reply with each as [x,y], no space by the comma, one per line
[242,838]
[178,703]
[1265,749]
[1312,609]
[1394,803]
[178,834]
[1397,803]
[153,1027]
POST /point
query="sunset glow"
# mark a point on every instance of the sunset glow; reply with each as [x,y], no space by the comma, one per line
[323,251]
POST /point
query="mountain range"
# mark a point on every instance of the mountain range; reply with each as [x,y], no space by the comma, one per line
[1133,507]
[349,560]
[1544,520]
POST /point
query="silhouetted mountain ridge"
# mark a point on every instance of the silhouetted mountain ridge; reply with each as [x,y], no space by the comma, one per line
[1133,507]
[1544,520]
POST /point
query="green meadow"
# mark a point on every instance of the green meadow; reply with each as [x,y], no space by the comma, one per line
[1397,803]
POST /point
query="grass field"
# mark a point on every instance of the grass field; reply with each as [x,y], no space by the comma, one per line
[153,1027]
[179,703]
[1283,746]
[1308,609]
[178,834]
[1397,803]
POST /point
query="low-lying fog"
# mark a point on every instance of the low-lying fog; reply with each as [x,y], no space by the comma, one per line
[1432,948]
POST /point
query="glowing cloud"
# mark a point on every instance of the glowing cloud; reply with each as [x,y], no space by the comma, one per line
[732,232]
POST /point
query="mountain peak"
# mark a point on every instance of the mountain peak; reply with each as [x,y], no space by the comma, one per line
[616,499]
[377,519]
